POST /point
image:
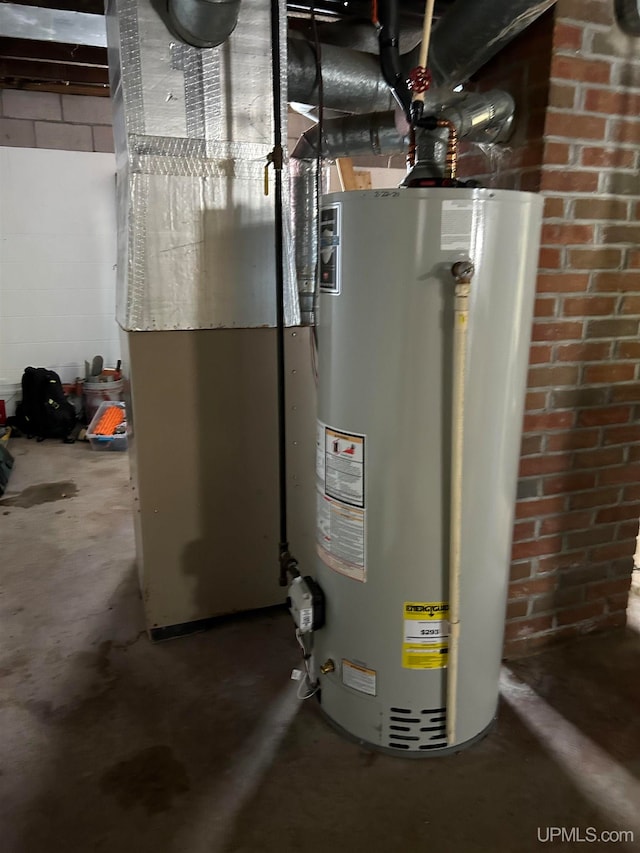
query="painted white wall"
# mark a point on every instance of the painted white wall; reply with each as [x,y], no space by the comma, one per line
[57,261]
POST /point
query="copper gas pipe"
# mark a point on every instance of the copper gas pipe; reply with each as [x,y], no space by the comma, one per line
[452,148]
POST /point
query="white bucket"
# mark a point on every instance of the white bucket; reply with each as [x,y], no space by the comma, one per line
[97,392]
[10,392]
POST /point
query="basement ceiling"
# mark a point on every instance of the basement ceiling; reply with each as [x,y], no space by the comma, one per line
[48,66]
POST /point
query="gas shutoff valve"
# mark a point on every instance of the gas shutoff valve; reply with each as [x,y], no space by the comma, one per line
[306,604]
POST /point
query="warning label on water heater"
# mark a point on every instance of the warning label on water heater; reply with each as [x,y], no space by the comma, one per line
[425,641]
[457,226]
[341,514]
[359,678]
[344,466]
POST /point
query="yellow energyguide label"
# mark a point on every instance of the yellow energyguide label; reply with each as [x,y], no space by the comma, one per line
[425,641]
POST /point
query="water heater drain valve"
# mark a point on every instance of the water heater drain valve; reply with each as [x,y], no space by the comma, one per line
[306,604]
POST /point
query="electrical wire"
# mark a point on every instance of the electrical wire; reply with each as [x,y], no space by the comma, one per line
[307,682]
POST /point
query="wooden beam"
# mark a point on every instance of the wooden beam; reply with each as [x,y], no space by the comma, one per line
[349,178]
[57,72]
[53,51]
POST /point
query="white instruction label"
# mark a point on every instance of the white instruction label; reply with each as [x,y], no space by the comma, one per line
[344,466]
[359,677]
[341,514]
[341,537]
[457,226]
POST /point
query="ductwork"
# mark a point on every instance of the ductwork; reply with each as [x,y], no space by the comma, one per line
[465,38]
[351,80]
[477,117]
[196,246]
[203,23]
[57,25]
[351,136]
[303,177]
[485,117]
[362,35]
[471,33]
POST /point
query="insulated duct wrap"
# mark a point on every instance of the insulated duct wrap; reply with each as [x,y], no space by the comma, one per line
[351,80]
[304,201]
[478,117]
[193,129]
[351,136]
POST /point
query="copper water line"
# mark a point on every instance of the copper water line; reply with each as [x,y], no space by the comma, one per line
[452,148]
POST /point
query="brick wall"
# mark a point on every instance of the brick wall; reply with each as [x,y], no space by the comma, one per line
[46,120]
[579,492]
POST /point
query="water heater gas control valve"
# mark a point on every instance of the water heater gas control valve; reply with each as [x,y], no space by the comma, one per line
[306,604]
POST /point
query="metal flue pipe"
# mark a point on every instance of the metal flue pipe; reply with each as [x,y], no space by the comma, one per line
[203,23]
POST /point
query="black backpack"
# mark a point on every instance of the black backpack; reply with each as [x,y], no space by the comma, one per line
[44,411]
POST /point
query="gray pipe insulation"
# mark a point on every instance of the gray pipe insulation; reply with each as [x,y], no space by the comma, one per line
[478,117]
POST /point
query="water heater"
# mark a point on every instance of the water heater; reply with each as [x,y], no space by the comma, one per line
[385,443]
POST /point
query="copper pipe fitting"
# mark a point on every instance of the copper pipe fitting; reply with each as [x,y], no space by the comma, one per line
[452,148]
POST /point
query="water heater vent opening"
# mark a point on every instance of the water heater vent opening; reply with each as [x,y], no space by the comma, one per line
[409,729]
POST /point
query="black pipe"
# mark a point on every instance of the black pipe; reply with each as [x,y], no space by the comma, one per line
[288,565]
[389,44]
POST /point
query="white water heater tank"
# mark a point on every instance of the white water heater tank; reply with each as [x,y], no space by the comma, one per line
[384,448]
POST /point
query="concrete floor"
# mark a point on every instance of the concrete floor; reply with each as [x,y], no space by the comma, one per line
[199,745]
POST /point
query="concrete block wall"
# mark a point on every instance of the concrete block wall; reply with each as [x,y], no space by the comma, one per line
[579,492]
[48,120]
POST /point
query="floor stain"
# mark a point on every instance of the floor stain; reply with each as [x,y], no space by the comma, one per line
[42,710]
[150,778]
[42,493]
[128,643]
[98,660]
